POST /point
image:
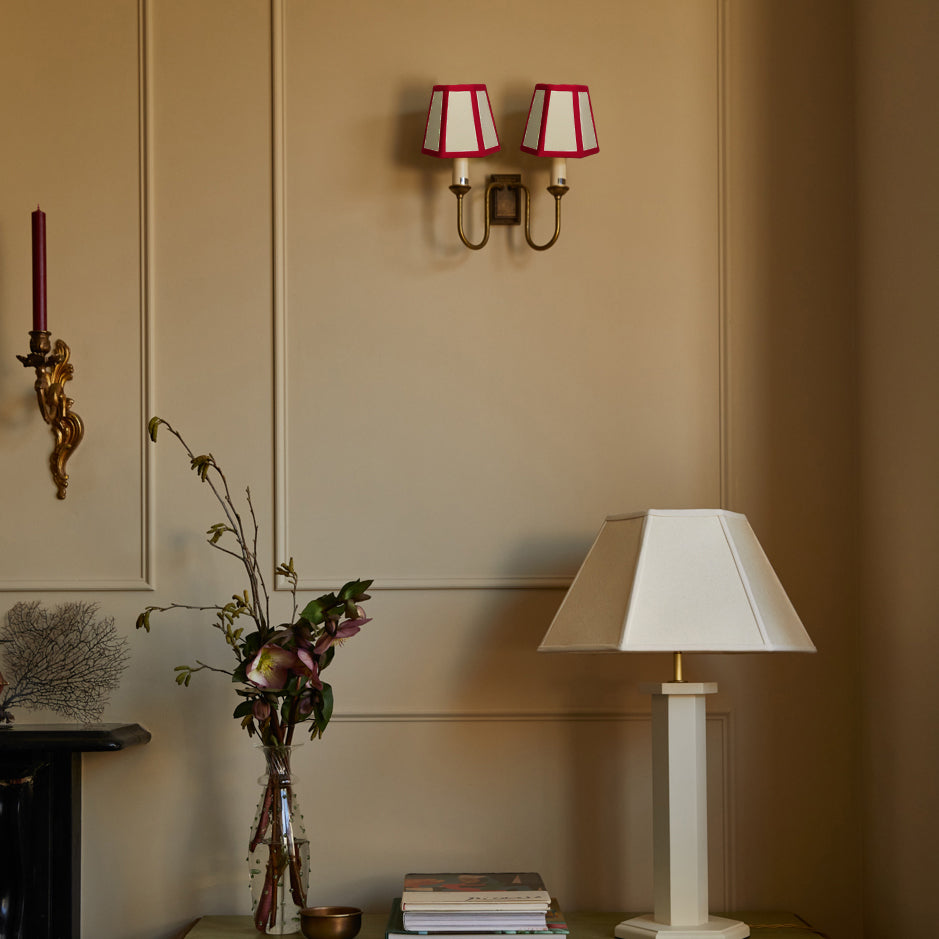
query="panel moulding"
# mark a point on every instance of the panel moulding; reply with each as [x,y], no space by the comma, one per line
[722,260]
[278,251]
[282,537]
[145,370]
[145,110]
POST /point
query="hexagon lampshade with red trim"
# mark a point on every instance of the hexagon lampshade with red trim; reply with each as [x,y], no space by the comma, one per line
[560,122]
[460,123]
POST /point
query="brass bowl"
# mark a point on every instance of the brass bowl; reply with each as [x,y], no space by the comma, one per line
[330,922]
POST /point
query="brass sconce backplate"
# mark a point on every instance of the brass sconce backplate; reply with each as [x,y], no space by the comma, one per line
[505,202]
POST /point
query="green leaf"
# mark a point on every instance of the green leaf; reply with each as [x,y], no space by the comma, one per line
[355,590]
[202,464]
[253,642]
[244,709]
[143,621]
[216,531]
[152,427]
[314,612]
[325,711]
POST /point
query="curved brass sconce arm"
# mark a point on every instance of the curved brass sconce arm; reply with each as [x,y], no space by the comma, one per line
[460,190]
[511,183]
[52,372]
[557,192]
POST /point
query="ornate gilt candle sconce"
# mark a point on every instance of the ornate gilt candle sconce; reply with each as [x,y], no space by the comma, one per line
[53,370]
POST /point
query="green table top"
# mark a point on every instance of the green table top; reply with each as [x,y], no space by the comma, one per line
[763,925]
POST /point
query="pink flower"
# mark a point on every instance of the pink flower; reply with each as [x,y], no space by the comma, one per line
[271,667]
[349,628]
[305,704]
[307,666]
[302,635]
[261,709]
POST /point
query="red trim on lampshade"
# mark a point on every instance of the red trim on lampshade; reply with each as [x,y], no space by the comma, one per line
[481,149]
[581,150]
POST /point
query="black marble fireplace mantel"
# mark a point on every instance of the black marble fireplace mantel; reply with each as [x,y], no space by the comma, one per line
[40,823]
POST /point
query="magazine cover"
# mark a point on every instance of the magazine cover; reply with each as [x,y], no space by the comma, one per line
[443,891]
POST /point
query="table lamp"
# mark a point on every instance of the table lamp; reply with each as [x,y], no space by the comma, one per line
[677,581]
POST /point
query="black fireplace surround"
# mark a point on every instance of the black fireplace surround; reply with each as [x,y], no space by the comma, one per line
[40,823]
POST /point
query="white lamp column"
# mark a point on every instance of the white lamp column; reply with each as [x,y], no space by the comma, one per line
[679,820]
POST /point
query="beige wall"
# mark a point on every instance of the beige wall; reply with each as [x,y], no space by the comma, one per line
[899,286]
[792,439]
[220,260]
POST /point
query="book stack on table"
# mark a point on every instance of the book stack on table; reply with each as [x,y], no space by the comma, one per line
[470,906]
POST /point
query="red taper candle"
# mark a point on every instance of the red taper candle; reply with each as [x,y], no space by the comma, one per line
[39,270]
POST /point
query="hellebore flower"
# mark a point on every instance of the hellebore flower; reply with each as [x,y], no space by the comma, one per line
[305,704]
[271,667]
[349,628]
[302,635]
[307,666]
[261,709]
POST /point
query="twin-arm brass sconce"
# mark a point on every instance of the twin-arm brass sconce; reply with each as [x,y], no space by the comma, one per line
[460,125]
[504,194]
[53,368]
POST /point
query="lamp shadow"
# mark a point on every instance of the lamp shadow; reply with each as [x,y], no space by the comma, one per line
[596,759]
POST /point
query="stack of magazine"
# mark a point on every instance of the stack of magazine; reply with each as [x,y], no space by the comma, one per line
[468,906]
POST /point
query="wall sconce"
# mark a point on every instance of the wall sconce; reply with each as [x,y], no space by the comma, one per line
[52,366]
[460,125]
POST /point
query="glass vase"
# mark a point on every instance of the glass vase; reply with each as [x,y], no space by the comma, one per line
[279,853]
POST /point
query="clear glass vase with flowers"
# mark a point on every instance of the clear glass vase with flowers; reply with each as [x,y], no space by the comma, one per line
[277,675]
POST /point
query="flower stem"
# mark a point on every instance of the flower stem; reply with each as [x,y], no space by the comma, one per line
[264,816]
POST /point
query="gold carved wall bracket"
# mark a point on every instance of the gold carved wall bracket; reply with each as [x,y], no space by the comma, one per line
[53,370]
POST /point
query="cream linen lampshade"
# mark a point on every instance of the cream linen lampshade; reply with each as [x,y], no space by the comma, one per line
[691,580]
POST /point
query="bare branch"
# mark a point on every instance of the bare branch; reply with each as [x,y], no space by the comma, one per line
[206,466]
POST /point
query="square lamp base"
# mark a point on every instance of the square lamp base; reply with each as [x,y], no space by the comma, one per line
[645,927]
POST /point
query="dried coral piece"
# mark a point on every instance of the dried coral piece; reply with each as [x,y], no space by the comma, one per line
[65,660]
